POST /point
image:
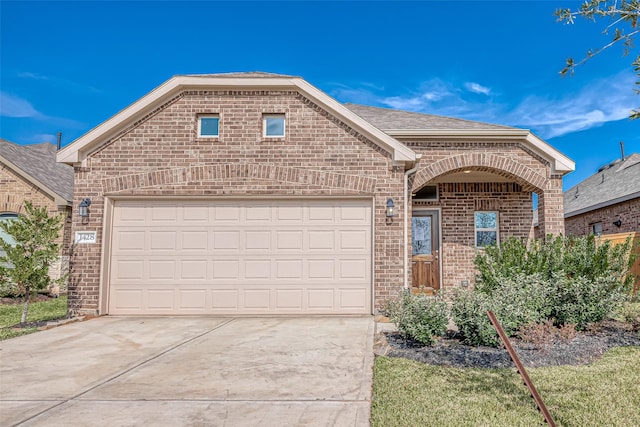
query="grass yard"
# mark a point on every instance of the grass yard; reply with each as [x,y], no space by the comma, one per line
[38,311]
[408,393]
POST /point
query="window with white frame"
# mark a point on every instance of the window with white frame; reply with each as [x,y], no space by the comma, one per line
[208,126]
[596,228]
[273,125]
[486,228]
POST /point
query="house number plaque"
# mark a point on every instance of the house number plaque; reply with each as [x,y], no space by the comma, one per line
[86,237]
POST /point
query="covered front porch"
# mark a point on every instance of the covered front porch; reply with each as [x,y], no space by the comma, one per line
[462,203]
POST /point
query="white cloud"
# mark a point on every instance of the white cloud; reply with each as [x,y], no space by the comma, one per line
[13,106]
[549,115]
[477,88]
[30,75]
[602,101]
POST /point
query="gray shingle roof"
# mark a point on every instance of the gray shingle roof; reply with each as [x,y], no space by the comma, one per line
[39,161]
[614,183]
[389,119]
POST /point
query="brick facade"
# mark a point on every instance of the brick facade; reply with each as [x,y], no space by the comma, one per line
[627,212]
[458,203]
[161,156]
[14,191]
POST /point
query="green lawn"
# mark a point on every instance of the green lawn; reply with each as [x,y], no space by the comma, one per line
[47,310]
[408,393]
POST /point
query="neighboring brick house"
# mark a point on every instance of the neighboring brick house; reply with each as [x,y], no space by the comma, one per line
[608,202]
[31,173]
[255,193]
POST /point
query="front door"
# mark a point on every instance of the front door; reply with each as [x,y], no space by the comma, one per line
[425,252]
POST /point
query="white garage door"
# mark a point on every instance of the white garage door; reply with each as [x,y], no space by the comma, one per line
[241,257]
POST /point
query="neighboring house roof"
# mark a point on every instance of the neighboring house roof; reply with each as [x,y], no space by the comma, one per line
[37,164]
[614,183]
[406,124]
[78,150]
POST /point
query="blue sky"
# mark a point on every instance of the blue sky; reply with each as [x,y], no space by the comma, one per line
[68,66]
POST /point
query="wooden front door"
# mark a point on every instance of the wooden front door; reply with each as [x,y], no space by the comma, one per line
[425,242]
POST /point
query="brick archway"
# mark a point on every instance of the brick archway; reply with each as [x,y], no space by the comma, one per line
[503,166]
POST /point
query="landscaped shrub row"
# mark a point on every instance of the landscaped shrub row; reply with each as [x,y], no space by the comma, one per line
[563,280]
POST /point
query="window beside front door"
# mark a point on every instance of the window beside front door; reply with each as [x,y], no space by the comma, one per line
[486,228]
[596,228]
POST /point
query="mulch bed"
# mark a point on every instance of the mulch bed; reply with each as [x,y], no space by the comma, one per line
[584,348]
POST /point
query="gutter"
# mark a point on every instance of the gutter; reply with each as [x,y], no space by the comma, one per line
[406,221]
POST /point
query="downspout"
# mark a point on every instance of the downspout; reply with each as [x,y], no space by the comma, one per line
[406,220]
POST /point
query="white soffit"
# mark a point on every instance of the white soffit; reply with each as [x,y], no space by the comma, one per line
[560,163]
[78,149]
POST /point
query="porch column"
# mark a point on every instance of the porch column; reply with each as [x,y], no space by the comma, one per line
[551,208]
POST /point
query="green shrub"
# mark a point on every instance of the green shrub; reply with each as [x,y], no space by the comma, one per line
[469,312]
[569,280]
[515,301]
[582,301]
[571,256]
[419,317]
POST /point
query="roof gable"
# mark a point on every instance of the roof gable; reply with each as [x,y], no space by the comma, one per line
[614,183]
[78,150]
[37,164]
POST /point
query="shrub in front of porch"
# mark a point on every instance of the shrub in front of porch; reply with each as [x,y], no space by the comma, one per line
[419,317]
[563,280]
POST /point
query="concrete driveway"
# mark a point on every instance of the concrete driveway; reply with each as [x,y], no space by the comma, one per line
[114,371]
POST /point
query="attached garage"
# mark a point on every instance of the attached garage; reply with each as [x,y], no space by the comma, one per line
[235,257]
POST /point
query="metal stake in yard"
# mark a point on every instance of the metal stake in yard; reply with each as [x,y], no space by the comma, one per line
[521,370]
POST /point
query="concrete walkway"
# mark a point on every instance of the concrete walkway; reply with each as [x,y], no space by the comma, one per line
[190,372]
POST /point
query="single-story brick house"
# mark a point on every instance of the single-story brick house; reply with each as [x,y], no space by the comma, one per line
[608,202]
[255,193]
[31,173]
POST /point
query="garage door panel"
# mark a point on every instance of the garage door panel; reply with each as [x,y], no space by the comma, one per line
[194,240]
[353,240]
[290,214]
[190,299]
[257,240]
[289,269]
[288,299]
[241,257]
[162,240]
[226,240]
[289,239]
[191,270]
[164,269]
[256,299]
[160,299]
[129,240]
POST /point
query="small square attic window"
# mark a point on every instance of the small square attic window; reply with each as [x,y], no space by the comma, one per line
[273,125]
[208,126]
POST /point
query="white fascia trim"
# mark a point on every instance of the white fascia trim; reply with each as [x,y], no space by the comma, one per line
[559,162]
[58,200]
[603,204]
[74,153]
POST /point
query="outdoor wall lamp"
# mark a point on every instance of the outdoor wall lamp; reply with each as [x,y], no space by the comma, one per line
[390,208]
[83,207]
[617,223]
